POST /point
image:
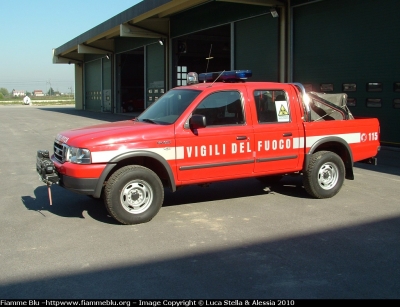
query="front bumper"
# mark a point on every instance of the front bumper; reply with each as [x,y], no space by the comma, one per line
[52,172]
[85,186]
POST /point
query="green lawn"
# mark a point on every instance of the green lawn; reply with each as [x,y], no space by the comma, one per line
[39,101]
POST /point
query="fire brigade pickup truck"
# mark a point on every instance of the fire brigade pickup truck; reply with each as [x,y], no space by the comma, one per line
[217,127]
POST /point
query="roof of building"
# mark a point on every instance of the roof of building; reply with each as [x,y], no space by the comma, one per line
[149,18]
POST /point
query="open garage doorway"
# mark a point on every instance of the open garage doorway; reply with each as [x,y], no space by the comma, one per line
[204,51]
[130,81]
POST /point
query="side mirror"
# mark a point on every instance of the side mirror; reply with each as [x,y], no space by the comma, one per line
[197,121]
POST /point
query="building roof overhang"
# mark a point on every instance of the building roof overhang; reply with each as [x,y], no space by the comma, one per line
[149,18]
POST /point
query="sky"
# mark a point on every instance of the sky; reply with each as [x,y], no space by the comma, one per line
[29,30]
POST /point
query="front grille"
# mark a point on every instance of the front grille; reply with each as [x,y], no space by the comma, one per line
[59,151]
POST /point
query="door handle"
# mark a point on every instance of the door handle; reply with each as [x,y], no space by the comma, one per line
[241,137]
[286,134]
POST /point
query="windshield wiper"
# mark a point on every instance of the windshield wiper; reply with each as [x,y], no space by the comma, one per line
[148,120]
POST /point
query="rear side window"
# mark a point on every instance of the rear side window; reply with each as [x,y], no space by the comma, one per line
[272,106]
[222,108]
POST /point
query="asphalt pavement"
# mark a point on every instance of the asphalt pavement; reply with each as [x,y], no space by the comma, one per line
[233,240]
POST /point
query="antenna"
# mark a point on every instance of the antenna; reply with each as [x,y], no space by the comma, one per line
[209,57]
[216,78]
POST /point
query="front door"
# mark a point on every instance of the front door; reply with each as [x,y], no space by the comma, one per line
[222,149]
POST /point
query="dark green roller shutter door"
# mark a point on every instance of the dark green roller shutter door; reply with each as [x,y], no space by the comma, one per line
[155,72]
[337,42]
[93,94]
[256,47]
[211,15]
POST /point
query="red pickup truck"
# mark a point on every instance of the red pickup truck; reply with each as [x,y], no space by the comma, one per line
[219,129]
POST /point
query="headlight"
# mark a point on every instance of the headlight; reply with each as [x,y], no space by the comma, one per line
[78,155]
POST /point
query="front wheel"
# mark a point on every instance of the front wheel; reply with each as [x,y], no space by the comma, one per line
[133,194]
[324,175]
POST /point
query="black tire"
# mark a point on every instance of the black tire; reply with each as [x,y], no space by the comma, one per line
[324,175]
[133,194]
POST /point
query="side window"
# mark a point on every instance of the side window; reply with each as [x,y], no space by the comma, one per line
[272,106]
[222,108]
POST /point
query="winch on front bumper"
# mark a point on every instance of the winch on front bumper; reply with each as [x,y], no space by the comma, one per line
[45,168]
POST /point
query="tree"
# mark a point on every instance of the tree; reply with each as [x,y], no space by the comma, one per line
[4,92]
[50,92]
[1,96]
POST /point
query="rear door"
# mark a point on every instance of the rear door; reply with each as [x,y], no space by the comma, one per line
[277,135]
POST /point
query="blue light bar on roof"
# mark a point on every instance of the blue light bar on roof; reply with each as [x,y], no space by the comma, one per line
[225,76]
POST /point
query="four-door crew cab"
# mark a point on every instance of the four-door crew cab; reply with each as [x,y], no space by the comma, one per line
[219,129]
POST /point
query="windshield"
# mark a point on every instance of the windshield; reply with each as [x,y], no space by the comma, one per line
[169,107]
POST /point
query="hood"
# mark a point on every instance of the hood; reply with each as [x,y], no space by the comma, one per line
[121,132]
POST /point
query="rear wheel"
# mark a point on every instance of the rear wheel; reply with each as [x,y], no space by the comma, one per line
[133,194]
[324,175]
